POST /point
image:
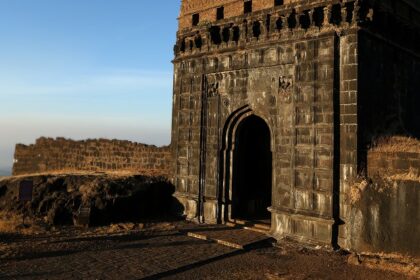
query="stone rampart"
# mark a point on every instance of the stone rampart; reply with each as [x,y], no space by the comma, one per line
[384,211]
[394,156]
[385,217]
[96,155]
[393,163]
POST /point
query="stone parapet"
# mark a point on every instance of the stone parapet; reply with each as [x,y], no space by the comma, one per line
[98,155]
[393,163]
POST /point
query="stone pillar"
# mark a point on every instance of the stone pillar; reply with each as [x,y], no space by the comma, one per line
[263,28]
[355,17]
[311,18]
[221,35]
[250,29]
[273,23]
[286,20]
[242,31]
[348,142]
[327,16]
[231,33]
[297,19]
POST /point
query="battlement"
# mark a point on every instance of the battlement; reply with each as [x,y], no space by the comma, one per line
[279,22]
[226,25]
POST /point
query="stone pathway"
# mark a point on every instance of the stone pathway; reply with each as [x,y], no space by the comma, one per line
[235,237]
[130,256]
[166,251]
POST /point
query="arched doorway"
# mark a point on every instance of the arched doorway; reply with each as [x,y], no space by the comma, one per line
[251,170]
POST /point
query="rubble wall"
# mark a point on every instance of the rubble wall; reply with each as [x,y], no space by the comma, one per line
[385,217]
[99,155]
[385,208]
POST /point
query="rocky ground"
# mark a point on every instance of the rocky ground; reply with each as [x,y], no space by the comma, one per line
[110,197]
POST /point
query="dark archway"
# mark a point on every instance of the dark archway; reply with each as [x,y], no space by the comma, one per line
[252,170]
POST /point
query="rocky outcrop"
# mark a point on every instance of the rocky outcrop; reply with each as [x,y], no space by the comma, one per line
[111,198]
[385,216]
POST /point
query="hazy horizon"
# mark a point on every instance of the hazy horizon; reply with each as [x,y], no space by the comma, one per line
[85,69]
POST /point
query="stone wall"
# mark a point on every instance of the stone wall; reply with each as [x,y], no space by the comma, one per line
[232,8]
[384,208]
[385,217]
[284,68]
[393,163]
[55,155]
[381,97]
[326,76]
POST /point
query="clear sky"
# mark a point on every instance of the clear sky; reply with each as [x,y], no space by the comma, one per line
[85,69]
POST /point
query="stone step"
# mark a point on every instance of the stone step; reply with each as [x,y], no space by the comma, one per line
[251,225]
[234,237]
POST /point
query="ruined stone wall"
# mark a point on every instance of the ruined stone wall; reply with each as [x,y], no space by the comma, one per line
[397,163]
[56,155]
[385,217]
[384,213]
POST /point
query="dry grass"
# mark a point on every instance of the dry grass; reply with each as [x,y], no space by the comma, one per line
[112,174]
[396,262]
[396,144]
[411,175]
[357,190]
[9,222]
[12,223]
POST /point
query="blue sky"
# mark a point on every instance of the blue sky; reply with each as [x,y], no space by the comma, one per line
[85,69]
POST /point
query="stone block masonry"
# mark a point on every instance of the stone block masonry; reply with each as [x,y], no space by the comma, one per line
[317,81]
[393,163]
[98,155]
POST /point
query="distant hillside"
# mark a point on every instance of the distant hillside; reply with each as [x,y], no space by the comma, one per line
[4,171]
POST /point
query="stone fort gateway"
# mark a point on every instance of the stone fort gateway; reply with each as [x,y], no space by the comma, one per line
[276,104]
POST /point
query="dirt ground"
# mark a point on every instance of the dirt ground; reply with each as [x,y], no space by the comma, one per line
[163,250]
[286,262]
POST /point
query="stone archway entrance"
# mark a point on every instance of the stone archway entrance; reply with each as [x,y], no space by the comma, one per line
[251,170]
[246,170]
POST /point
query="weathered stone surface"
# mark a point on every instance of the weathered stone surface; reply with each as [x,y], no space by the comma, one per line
[326,77]
[54,155]
[385,217]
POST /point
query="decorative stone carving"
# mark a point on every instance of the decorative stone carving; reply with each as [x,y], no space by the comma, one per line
[226,102]
[285,88]
[213,89]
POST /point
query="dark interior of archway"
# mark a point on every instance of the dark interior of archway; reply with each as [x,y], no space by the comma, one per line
[252,170]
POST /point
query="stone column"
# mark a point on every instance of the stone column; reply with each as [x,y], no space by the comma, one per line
[355,17]
[273,23]
[311,18]
[297,19]
[250,29]
[263,28]
[327,16]
[242,31]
